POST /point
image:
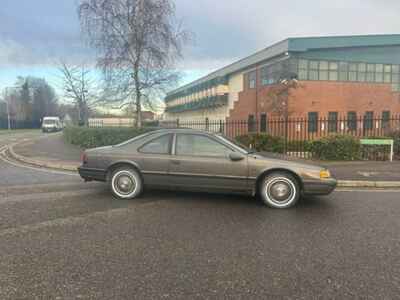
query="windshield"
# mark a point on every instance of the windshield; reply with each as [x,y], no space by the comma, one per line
[49,122]
[236,144]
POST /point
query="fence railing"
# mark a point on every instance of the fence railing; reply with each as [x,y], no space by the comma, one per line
[296,133]
[294,129]
[17,124]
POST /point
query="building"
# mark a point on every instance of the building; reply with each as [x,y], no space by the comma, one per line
[340,77]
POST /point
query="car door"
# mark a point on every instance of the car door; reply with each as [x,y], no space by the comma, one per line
[155,159]
[200,161]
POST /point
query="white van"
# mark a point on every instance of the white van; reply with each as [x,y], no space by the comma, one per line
[51,124]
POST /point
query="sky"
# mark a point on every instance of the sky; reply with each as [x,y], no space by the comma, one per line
[36,34]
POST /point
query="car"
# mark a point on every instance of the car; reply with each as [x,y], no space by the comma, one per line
[187,159]
[51,124]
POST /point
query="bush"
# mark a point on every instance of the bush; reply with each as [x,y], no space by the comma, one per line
[335,147]
[88,138]
[263,142]
[395,135]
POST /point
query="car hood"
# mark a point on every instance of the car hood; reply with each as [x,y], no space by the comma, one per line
[285,159]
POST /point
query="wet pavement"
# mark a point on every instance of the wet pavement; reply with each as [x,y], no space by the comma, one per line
[70,240]
[63,239]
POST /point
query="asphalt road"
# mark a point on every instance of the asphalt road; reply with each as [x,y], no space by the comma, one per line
[63,239]
[12,175]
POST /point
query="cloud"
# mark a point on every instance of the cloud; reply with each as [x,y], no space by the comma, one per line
[228,30]
[35,33]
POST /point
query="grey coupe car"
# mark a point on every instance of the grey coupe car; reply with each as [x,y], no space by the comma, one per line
[201,161]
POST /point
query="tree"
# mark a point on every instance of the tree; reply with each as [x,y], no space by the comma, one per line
[78,87]
[138,42]
[31,99]
[278,97]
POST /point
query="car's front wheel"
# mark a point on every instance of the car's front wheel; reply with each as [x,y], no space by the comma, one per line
[126,183]
[279,190]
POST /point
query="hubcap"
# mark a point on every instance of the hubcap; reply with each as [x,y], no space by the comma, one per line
[280,191]
[125,184]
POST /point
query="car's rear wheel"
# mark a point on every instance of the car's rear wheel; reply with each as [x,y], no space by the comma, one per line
[280,190]
[126,183]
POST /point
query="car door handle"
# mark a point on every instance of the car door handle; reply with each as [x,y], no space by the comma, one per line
[176,162]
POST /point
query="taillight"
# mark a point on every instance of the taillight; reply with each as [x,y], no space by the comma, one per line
[84,158]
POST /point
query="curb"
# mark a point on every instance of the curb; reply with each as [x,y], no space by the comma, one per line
[69,168]
[40,164]
[368,184]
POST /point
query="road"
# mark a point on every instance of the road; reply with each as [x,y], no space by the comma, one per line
[62,239]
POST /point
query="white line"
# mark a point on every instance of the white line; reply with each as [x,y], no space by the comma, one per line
[33,168]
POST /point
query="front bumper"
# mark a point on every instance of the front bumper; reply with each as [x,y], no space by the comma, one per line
[319,187]
[89,174]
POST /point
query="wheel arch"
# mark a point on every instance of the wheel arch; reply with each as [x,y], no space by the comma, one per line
[120,164]
[277,170]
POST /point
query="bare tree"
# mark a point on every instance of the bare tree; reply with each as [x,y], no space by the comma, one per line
[78,86]
[138,42]
[278,97]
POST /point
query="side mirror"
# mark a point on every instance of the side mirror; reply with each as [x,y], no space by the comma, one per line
[235,156]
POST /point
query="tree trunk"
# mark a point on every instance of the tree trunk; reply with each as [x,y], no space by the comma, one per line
[138,97]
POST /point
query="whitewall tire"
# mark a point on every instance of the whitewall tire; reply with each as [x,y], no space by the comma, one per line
[280,190]
[126,183]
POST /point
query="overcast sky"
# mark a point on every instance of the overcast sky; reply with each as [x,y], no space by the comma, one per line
[34,34]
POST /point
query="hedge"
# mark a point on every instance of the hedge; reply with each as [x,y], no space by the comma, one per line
[263,142]
[336,147]
[87,138]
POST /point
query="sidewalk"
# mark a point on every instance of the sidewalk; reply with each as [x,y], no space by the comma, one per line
[51,150]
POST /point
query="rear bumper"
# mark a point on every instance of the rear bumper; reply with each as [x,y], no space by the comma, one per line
[319,187]
[89,174]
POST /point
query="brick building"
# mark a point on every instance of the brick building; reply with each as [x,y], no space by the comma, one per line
[340,77]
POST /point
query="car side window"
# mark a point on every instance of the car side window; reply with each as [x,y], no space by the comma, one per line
[160,145]
[198,145]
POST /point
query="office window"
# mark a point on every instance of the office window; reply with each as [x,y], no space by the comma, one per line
[332,122]
[353,72]
[369,120]
[352,120]
[387,78]
[333,71]
[362,72]
[313,71]
[251,123]
[263,122]
[386,119]
[370,72]
[303,69]
[379,73]
[264,75]
[312,122]
[323,70]
[343,71]
[252,79]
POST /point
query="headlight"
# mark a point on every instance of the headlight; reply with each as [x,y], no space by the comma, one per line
[324,174]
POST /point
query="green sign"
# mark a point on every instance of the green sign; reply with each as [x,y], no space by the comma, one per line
[376,142]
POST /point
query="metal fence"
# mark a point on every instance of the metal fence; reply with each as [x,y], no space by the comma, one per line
[296,133]
[17,124]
